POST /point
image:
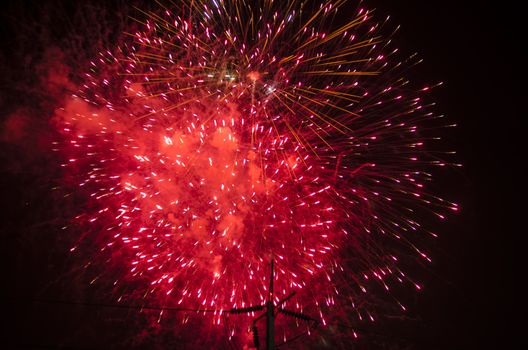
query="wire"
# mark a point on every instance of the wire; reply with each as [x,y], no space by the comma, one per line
[311,327]
[125,306]
[150,307]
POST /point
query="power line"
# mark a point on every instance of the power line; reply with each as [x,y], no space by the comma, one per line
[127,306]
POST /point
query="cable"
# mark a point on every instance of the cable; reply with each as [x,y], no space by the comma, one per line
[125,306]
[310,328]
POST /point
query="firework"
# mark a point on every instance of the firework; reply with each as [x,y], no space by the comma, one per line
[220,135]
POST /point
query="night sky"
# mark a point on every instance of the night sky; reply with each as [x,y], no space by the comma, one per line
[472,297]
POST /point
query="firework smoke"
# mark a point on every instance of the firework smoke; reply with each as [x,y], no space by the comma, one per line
[219,135]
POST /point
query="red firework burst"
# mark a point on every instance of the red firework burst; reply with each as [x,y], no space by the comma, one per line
[220,135]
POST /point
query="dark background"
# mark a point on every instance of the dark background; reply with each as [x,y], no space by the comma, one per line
[472,297]
[475,48]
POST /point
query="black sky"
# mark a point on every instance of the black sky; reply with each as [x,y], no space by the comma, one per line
[472,297]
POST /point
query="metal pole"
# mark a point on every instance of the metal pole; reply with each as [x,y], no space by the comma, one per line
[270,324]
[270,316]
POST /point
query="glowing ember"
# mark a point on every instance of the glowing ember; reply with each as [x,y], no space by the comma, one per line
[211,142]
